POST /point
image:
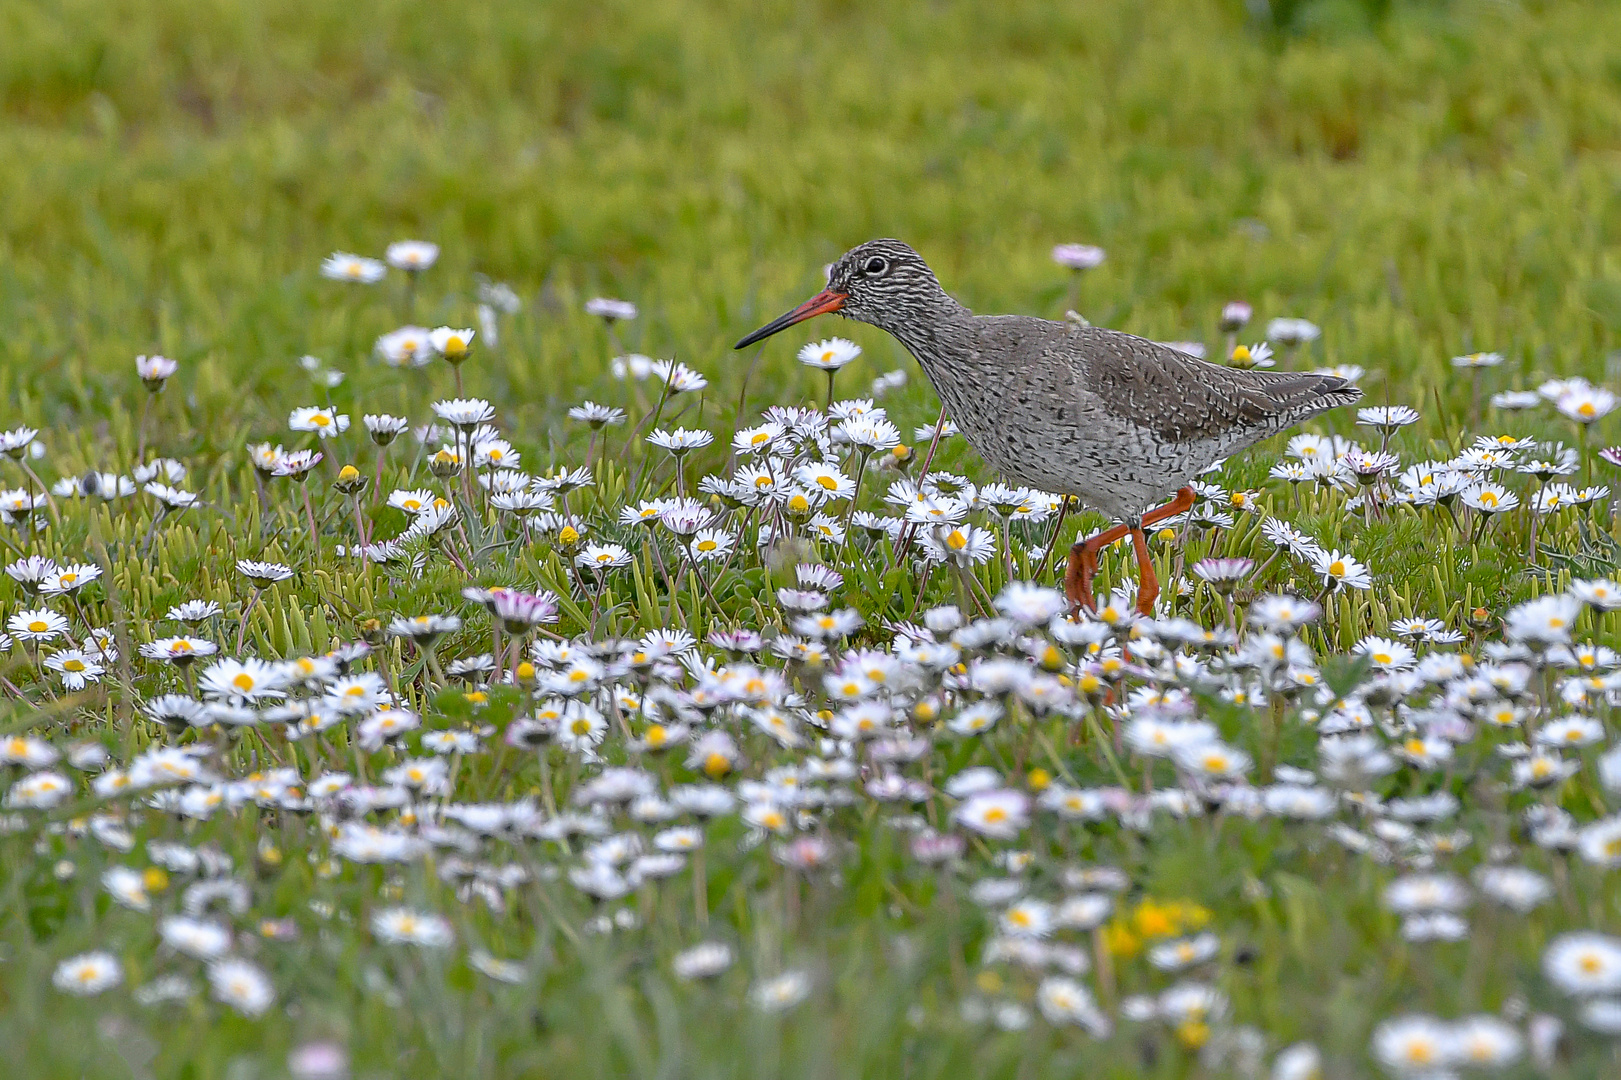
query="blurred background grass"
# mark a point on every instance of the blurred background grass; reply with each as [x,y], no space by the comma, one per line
[1423,179]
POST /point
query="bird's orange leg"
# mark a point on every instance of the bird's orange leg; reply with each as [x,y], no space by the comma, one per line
[1147,580]
[1083,566]
[1083,556]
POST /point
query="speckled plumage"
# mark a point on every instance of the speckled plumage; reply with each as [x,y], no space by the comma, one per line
[1116,420]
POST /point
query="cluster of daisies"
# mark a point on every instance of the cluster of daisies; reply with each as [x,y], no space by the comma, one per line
[593,765]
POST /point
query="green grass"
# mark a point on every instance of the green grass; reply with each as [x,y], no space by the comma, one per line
[1422,180]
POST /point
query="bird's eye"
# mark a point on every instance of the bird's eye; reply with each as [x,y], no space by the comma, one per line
[875,266]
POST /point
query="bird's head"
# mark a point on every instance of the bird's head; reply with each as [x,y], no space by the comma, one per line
[881,282]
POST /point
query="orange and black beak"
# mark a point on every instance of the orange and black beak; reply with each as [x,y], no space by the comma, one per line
[823,302]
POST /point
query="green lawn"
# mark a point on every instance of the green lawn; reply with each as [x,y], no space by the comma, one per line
[1421,180]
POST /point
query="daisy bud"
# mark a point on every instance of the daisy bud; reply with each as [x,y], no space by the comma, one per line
[525,674]
[349,480]
[444,464]
[568,538]
[371,632]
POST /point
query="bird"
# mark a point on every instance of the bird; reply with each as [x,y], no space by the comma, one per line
[1121,423]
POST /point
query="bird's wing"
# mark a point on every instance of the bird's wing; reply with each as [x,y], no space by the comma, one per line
[1181,398]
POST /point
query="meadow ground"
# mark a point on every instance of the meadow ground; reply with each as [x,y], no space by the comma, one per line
[729,781]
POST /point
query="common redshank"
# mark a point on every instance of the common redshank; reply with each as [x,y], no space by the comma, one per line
[1116,420]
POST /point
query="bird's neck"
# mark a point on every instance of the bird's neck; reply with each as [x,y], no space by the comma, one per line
[934,333]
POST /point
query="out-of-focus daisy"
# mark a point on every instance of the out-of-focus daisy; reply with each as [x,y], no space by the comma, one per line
[342,266]
[412,256]
[88,973]
[324,422]
[829,355]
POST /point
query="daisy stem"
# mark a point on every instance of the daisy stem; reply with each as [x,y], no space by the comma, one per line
[315,539]
[922,474]
[242,629]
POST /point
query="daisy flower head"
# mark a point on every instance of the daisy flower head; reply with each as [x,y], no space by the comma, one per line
[1586,404]
[1547,620]
[998,813]
[384,428]
[343,266]
[88,973]
[1235,315]
[263,573]
[67,579]
[242,681]
[781,993]
[1415,1046]
[465,413]
[37,624]
[297,464]
[154,371]
[1078,256]
[1292,333]
[409,346]
[597,416]
[1583,964]
[610,310]
[455,345]
[1340,571]
[1387,418]
[324,422]
[412,256]
[829,355]
[402,926]
[1477,360]
[602,557]
[1516,400]
[76,667]
[1258,355]
[679,378]
[703,961]
[681,441]
[242,986]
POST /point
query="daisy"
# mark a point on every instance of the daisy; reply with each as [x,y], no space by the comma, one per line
[242,986]
[342,266]
[829,355]
[88,973]
[197,938]
[244,681]
[681,441]
[1078,256]
[263,573]
[998,813]
[703,961]
[1212,760]
[465,413]
[154,371]
[452,344]
[597,416]
[1586,404]
[1340,571]
[297,464]
[76,668]
[832,483]
[710,545]
[781,993]
[409,345]
[1583,964]
[678,378]
[324,422]
[412,255]
[603,557]
[610,310]
[37,624]
[1292,333]
[1258,355]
